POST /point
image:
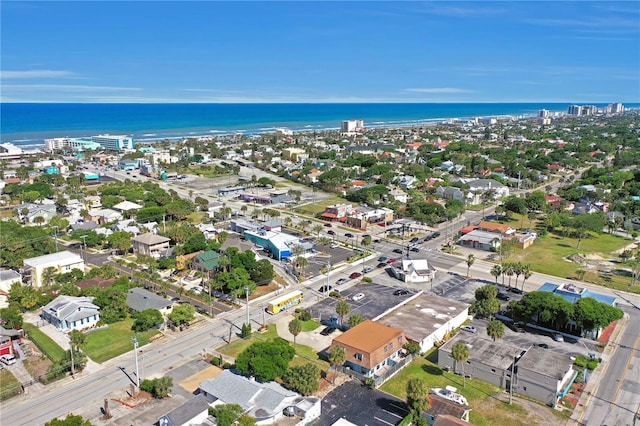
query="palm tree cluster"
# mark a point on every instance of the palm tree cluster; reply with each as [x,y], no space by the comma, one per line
[510,269]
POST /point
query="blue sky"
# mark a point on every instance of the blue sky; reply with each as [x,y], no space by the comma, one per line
[301,51]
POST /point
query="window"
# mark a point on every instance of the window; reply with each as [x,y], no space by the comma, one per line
[493,370]
[400,339]
[358,357]
[524,388]
[391,345]
[386,348]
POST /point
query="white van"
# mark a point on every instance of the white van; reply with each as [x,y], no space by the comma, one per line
[8,359]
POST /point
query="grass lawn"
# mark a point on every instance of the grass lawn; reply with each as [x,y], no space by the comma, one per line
[236,347]
[484,398]
[547,255]
[313,209]
[206,171]
[310,325]
[48,346]
[102,345]
[10,385]
[197,217]
[306,354]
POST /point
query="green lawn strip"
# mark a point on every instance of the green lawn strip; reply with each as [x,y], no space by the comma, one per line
[486,409]
[197,217]
[306,354]
[310,325]
[102,345]
[46,344]
[9,385]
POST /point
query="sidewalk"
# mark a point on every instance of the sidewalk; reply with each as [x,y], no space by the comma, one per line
[596,375]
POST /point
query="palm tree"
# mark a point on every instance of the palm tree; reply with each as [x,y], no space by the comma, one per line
[470,259]
[517,270]
[508,271]
[417,396]
[317,229]
[495,329]
[48,275]
[496,271]
[460,353]
[342,309]
[323,241]
[303,262]
[295,328]
[526,274]
[337,356]
[287,221]
[244,209]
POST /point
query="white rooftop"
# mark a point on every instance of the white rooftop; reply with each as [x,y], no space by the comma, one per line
[61,258]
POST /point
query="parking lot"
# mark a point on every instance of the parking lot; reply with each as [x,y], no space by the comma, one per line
[376,300]
[360,405]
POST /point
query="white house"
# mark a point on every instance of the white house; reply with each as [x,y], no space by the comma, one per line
[62,262]
[68,313]
[414,271]
[264,401]
[486,185]
[7,278]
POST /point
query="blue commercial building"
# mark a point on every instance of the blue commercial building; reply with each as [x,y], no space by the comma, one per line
[114,142]
[573,293]
[278,244]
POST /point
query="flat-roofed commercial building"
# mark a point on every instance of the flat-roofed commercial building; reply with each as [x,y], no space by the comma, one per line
[62,262]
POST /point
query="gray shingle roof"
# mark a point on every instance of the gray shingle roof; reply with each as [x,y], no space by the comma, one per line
[140,299]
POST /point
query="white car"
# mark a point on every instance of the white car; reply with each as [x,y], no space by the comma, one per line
[468,328]
[334,245]
[8,359]
[357,296]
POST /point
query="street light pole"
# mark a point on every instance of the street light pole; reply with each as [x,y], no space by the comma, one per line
[135,349]
[247,290]
[56,236]
[84,244]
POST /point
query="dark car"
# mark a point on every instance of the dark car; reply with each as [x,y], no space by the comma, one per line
[502,296]
[397,250]
[381,265]
[325,288]
[515,290]
[327,331]
[348,235]
[331,232]
[382,259]
[435,235]
[414,240]
[400,292]
[543,345]
[415,249]
[355,275]
[328,225]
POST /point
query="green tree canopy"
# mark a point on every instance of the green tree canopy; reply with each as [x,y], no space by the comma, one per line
[417,396]
[147,319]
[70,420]
[182,314]
[266,360]
[304,379]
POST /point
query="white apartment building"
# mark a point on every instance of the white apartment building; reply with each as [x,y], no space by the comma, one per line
[352,126]
[62,262]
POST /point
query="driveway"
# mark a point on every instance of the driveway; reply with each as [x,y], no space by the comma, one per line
[312,339]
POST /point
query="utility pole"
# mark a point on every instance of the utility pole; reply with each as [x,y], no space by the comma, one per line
[513,376]
[135,349]
[55,236]
[73,367]
[84,244]
[247,290]
[328,270]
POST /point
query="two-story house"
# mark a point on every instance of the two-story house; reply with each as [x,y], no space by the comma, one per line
[370,346]
[150,245]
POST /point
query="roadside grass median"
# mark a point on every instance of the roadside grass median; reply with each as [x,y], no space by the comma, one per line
[313,209]
[103,345]
[487,402]
[46,344]
[236,347]
[10,385]
[310,325]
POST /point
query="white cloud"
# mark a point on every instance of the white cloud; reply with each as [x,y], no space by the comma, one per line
[66,87]
[36,74]
[438,90]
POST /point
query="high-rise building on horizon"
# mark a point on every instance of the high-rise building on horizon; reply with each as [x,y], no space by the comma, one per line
[351,126]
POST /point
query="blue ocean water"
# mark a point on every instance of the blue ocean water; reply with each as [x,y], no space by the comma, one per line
[30,123]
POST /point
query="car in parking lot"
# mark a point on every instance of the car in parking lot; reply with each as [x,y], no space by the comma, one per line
[381,265]
[415,249]
[515,290]
[8,359]
[543,345]
[348,235]
[341,281]
[357,296]
[328,225]
[328,330]
[390,261]
[355,275]
[331,232]
[334,245]
[435,235]
[397,250]
[557,337]
[325,288]
[382,259]
[367,269]
[468,328]
[503,296]
[400,292]
[414,240]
